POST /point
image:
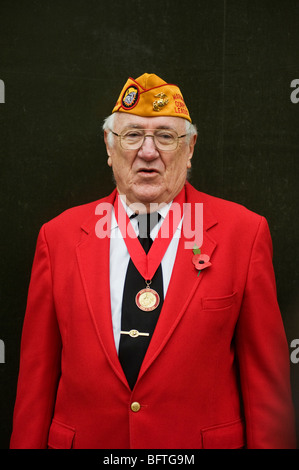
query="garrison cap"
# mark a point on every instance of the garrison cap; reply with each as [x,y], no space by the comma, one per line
[150,96]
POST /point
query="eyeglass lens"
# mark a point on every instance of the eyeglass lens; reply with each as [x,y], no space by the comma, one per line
[163,139]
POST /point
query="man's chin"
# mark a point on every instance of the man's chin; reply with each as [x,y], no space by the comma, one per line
[148,193]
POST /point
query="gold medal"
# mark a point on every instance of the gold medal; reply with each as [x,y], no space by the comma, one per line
[147,299]
[147,263]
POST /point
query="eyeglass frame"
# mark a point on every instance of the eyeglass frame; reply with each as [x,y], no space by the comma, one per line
[153,136]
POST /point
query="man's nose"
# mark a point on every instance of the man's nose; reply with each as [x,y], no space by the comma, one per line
[148,150]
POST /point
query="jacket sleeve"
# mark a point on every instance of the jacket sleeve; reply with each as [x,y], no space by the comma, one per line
[263,355]
[40,358]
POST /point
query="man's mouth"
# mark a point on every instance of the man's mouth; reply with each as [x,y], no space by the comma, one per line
[148,171]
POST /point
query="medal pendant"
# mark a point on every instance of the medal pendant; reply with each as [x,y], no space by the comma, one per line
[147,299]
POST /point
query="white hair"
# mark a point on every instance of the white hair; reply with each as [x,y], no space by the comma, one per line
[191,130]
[108,124]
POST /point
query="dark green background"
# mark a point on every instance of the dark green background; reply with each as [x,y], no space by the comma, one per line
[64,64]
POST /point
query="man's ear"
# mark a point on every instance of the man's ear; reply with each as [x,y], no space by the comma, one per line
[191,149]
[106,142]
[107,148]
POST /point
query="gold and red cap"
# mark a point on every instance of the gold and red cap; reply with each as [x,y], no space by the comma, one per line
[150,96]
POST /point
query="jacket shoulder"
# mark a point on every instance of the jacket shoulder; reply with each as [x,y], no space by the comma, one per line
[73,219]
[229,219]
[223,209]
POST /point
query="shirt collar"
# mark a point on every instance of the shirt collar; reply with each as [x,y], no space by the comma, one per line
[163,211]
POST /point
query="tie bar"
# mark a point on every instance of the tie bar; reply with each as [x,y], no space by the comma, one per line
[133,333]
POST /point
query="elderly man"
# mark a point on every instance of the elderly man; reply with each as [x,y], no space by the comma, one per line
[147,342]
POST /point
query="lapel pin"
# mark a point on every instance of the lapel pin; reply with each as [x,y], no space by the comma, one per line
[200,260]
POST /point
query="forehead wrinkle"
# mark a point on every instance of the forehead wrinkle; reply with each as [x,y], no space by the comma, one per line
[140,127]
[148,129]
[125,121]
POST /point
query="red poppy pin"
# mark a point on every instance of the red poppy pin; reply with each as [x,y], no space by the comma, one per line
[200,260]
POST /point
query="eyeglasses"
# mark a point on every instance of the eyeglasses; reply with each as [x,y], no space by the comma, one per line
[164,139]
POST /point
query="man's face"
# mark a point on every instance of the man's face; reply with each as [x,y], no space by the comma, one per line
[149,175]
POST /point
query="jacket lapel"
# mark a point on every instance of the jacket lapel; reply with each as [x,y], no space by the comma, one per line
[93,260]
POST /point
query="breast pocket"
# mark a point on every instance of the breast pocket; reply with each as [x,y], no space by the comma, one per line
[218,303]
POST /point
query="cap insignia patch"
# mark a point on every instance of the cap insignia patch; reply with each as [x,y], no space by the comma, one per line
[130,97]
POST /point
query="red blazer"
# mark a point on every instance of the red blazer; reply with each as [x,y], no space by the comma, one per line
[216,373]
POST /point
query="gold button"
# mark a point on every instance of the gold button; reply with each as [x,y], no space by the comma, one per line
[135,406]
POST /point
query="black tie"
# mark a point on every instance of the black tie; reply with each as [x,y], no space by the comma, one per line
[132,349]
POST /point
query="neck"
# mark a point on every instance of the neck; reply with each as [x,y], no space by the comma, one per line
[146,207]
[141,207]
